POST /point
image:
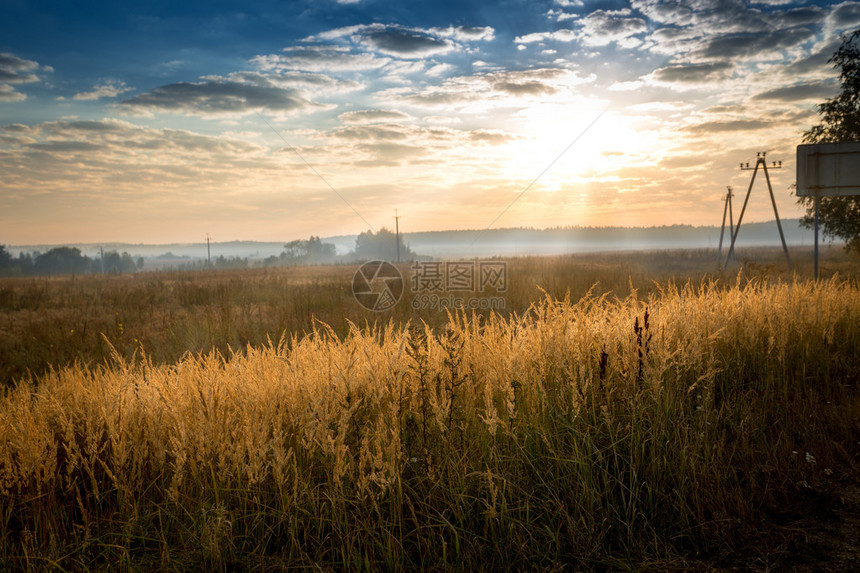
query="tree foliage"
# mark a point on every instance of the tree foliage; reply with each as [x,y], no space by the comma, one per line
[114,263]
[381,245]
[840,122]
[5,258]
[62,261]
[304,252]
[311,251]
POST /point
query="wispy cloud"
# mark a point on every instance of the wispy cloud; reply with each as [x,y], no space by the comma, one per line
[321,58]
[406,42]
[219,98]
[107,90]
[15,70]
[373,116]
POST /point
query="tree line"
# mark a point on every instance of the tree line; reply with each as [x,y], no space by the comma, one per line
[66,261]
[380,245]
[383,245]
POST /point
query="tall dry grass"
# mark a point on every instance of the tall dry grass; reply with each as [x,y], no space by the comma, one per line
[662,429]
[50,323]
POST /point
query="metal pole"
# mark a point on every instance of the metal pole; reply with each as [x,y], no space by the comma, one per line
[778,224]
[816,234]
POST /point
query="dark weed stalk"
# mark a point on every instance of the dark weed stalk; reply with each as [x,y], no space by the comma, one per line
[643,341]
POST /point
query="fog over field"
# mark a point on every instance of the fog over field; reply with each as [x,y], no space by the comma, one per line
[493,242]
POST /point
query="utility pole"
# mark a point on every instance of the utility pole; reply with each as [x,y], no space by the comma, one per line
[816,202]
[208,253]
[397,233]
[727,207]
[102,255]
[760,162]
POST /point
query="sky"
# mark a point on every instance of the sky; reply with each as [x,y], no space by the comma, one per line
[159,122]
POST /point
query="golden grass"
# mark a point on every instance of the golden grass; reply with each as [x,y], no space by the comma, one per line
[656,428]
[50,323]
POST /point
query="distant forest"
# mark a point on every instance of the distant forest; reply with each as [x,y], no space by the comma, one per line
[65,260]
[383,245]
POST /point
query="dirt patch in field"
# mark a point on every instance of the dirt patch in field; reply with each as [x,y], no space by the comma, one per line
[827,537]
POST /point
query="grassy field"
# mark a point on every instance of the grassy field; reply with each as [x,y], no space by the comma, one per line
[629,410]
[50,323]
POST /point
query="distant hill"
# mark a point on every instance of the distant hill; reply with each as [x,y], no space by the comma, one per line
[595,239]
[493,242]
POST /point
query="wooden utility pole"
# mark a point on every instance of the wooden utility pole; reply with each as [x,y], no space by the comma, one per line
[208,252]
[727,207]
[397,233]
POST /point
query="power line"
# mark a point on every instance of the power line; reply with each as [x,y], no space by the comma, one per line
[296,151]
[535,180]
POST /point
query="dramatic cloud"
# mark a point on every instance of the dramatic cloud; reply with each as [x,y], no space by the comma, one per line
[319,59]
[487,90]
[603,27]
[696,30]
[709,17]
[671,41]
[599,28]
[406,42]
[844,16]
[691,74]
[218,98]
[812,91]
[803,16]
[815,63]
[732,46]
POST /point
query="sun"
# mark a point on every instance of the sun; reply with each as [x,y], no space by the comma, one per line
[561,145]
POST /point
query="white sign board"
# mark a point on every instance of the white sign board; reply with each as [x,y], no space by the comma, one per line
[830,168]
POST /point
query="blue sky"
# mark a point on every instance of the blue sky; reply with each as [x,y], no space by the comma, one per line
[163,121]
